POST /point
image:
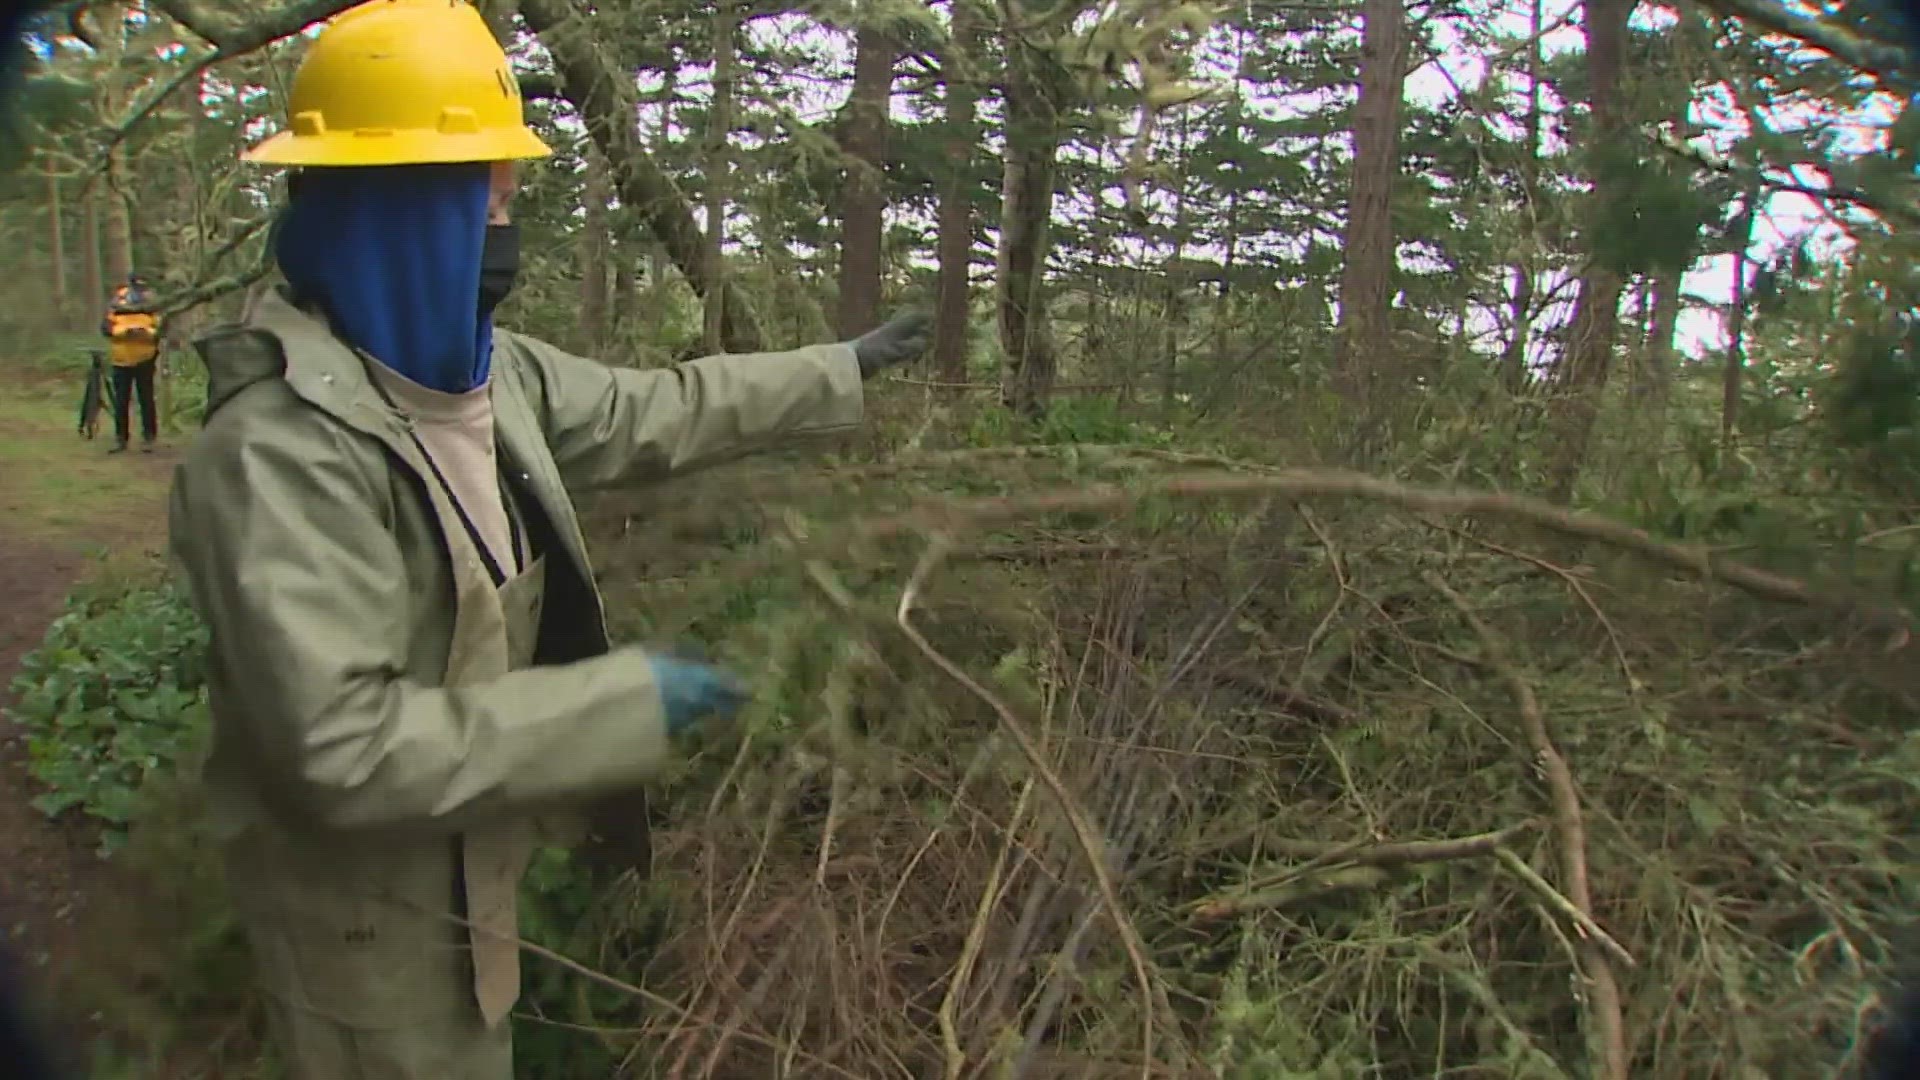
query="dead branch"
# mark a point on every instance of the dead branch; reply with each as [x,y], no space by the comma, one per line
[209,291]
[1559,902]
[638,993]
[951,516]
[1603,1003]
[1083,388]
[1297,889]
[1865,200]
[1474,986]
[1323,858]
[1402,852]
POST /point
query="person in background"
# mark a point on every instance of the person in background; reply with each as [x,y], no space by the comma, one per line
[409,669]
[134,295]
[132,330]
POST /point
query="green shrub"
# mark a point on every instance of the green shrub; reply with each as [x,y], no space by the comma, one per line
[115,693]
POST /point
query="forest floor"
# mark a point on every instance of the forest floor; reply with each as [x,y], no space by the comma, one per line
[67,509]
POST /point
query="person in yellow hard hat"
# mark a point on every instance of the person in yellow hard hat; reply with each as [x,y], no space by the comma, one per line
[410,675]
[132,329]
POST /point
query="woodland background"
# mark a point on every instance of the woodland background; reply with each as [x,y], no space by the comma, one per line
[1157,687]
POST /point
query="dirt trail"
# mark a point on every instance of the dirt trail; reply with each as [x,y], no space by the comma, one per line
[61,500]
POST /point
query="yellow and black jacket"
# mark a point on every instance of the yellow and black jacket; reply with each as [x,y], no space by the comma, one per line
[135,336]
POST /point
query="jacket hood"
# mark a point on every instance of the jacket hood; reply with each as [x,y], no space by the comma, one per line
[256,348]
[236,358]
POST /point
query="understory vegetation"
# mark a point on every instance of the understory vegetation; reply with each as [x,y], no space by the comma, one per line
[1400,584]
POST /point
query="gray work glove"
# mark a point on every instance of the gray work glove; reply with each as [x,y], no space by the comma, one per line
[899,339]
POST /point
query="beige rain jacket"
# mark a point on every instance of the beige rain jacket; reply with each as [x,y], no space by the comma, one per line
[393,730]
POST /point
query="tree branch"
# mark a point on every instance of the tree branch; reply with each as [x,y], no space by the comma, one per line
[1875,58]
[235,37]
[955,516]
[229,40]
[1851,196]
[540,88]
[1606,1027]
[209,291]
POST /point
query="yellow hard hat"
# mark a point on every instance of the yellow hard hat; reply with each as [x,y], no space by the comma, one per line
[403,82]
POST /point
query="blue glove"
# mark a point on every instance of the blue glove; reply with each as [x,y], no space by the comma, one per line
[691,691]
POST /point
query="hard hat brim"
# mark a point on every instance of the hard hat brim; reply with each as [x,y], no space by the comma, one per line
[348,148]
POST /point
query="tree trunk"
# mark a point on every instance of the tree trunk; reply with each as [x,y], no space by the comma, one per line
[596,253]
[95,301]
[726,23]
[603,96]
[1656,388]
[119,223]
[1513,365]
[863,203]
[1174,310]
[1735,371]
[1365,348]
[1026,209]
[624,287]
[1513,362]
[1235,125]
[57,249]
[1589,352]
[954,298]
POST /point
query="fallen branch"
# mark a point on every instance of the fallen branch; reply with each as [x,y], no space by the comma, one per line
[1608,1029]
[1405,851]
[975,942]
[1299,889]
[1559,902]
[1324,857]
[952,516]
[1474,985]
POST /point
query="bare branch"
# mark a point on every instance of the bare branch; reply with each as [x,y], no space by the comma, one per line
[1607,1028]
[953,516]
[209,291]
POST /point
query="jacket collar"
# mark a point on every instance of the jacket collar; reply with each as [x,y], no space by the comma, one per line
[329,375]
[322,369]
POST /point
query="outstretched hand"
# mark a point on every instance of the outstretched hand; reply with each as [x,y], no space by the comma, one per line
[692,691]
[899,339]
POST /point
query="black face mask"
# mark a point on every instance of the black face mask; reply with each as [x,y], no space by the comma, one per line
[499,265]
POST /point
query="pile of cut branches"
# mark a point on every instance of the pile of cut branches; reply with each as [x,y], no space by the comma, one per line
[1112,762]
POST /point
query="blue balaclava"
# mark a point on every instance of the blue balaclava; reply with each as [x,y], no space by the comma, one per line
[392,254]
